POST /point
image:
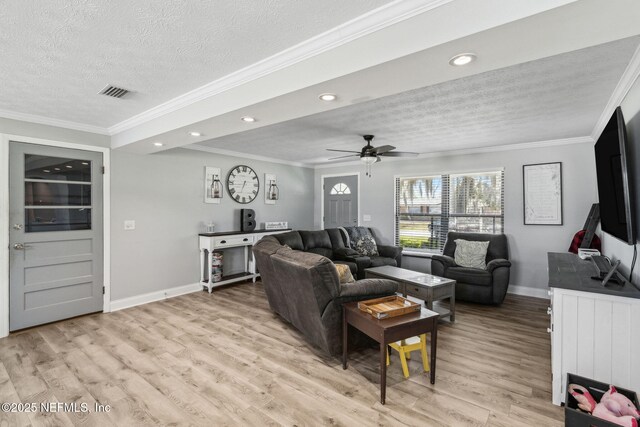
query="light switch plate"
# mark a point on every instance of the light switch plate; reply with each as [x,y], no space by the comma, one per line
[129,224]
[366,218]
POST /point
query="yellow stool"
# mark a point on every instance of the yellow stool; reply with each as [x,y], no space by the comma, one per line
[405,350]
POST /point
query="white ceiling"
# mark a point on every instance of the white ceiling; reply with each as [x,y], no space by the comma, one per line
[57,55]
[545,70]
[557,97]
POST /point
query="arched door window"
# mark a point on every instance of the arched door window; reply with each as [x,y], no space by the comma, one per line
[340,188]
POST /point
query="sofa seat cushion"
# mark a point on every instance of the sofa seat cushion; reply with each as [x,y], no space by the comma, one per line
[379,261]
[472,276]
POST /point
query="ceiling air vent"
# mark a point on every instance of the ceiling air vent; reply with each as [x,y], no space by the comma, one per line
[115,92]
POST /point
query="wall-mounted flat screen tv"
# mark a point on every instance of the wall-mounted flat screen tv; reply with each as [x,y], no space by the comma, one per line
[614,183]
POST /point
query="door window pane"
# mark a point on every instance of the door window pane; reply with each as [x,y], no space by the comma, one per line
[37,193]
[61,219]
[56,168]
[340,188]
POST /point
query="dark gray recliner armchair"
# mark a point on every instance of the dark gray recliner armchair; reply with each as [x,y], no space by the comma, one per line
[473,284]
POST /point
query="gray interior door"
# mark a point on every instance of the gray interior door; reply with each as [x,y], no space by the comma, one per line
[55,213]
[340,201]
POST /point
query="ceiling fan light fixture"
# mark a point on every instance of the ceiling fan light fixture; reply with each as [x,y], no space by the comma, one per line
[462,59]
[369,160]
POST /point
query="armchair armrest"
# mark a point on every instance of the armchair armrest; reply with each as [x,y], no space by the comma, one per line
[389,251]
[446,260]
[440,264]
[496,263]
[368,288]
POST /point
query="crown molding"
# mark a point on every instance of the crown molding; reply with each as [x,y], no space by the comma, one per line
[479,150]
[212,150]
[24,117]
[623,87]
[358,27]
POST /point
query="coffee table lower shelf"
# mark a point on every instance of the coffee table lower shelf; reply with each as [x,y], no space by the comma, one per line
[386,331]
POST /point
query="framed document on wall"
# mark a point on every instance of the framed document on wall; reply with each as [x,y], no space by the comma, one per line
[542,194]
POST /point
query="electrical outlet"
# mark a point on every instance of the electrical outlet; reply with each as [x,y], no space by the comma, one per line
[129,224]
[366,218]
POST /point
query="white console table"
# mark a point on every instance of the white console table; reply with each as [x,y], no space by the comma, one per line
[211,242]
[594,329]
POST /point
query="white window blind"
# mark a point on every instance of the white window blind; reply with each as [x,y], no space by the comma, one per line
[428,207]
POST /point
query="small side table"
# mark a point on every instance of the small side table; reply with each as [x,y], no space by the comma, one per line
[386,331]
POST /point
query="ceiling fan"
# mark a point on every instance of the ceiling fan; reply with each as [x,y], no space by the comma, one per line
[370,154]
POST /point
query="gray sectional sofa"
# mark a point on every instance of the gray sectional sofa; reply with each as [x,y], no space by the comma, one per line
[332,243]
[304,289]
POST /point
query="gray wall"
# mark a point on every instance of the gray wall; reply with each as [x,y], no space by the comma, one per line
[528,244]
[35,130]
[163,193]
[611,246]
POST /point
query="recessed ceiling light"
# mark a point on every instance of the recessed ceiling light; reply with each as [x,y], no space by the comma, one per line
[158,144]
[328,96]
[57,169]
[248,119]
[85,163]
[195,133]
[46,170]
[69,167]
[462,59]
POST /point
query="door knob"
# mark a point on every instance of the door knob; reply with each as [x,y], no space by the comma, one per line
[20,246]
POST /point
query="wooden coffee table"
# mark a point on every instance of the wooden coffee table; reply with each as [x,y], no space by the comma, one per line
[420,285]
[390,330]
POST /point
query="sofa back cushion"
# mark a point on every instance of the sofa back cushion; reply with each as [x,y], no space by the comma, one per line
[317,242]
[498,245]
[291,239]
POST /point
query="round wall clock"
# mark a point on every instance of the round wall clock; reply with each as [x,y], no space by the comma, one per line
[243,184]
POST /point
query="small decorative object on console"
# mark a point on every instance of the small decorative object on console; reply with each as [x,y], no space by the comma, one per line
[247,219]
[276,225]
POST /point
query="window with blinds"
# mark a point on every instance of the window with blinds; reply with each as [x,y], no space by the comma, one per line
[428,207]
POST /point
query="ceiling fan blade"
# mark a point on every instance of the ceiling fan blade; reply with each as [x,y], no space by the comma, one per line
[398,154]
[343,151]
[342,157]
[384,149]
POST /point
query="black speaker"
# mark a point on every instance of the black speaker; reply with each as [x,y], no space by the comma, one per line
[247,219]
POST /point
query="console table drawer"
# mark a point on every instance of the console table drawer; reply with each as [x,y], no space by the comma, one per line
[226,241]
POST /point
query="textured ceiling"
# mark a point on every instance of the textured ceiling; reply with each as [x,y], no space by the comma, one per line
[553,98]
[63,52]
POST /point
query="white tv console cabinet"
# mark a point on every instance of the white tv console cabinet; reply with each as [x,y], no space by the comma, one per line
[211,242]
[595,330]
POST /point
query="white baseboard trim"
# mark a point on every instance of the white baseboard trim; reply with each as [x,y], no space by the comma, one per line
[123,303]
[528,291]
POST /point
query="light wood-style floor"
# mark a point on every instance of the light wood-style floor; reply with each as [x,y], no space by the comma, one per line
[226,359]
